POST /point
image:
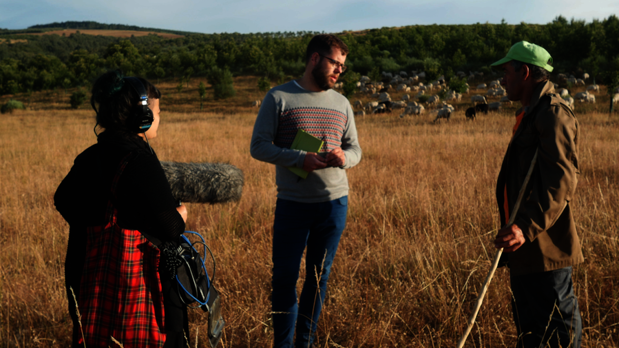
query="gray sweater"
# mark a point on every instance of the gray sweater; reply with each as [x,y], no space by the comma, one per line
[326,115]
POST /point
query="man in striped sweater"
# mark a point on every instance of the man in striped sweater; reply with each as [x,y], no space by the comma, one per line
[309,212]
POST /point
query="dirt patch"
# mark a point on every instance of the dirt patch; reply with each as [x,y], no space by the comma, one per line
[114,33]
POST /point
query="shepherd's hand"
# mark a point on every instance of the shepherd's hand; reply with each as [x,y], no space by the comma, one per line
[509,238]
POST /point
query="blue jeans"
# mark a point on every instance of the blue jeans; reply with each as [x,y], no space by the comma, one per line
[546,309]
[318,226]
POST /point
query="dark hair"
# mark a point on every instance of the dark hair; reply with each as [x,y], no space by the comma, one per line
[537,72]
[323,44]
[117,100]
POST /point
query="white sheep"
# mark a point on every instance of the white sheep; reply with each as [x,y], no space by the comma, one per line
[478,99]
[433,100]
[384,97]
[496,106]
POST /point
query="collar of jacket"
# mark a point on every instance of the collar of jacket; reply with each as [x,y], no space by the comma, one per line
[540,90]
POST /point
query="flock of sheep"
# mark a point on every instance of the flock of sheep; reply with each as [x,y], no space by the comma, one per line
[383,103]
[411,84]
[417,97]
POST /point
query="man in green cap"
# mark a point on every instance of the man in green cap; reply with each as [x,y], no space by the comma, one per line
[541,246]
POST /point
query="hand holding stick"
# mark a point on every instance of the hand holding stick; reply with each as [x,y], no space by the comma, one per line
[497,257]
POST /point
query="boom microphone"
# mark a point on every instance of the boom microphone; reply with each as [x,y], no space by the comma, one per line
[204,182]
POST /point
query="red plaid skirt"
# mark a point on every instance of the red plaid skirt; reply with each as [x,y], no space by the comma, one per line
[120,294]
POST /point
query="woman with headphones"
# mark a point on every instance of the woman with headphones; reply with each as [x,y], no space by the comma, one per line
[120,208]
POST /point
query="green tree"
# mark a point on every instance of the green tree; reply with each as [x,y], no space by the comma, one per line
[77,99]
[374,74]
[202,92]
[350,80]
[458,59]
[66,83]
[264,84]
[222,82]
[160,73]
[188,74]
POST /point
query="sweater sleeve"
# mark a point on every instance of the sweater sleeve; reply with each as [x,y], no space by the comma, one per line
[350,141]
[265,129]
[145,201]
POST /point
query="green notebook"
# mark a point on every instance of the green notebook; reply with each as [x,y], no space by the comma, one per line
[306,142]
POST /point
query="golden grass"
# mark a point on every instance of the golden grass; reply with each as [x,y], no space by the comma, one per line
[102,32]
[412,259]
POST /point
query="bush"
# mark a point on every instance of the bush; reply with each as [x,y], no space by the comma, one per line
[458,85]
[222,82]
[12,105]
[350,80]
[77,99]
[364,64]
[388,64]
[423,98]
[264,84]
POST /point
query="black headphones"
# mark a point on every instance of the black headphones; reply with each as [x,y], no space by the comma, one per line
[142,116]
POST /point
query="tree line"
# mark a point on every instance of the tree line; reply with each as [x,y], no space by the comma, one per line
[52,61]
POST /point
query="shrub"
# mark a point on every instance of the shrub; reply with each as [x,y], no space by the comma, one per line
[442,94]
[388,64]
[264,84]
[364,64]
[350,80]
[12,105]
[202,92]
[458,85]
[77,99]
[423,98]
[222,82]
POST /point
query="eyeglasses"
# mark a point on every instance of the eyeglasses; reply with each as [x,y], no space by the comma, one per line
[335,63]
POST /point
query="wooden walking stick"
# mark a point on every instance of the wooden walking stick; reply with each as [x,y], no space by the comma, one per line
[497,257]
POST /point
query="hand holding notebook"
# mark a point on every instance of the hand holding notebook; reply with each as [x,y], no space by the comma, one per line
[306,142]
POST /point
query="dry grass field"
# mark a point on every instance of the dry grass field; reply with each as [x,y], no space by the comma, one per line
[114,33]
[414,254]
[11,41]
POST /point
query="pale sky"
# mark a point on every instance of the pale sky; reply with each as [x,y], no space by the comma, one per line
[250,16]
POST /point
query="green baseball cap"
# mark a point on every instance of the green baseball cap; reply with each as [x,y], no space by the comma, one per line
[529,53]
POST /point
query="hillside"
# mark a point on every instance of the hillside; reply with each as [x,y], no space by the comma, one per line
[107,32]
[91,25]
[39,62]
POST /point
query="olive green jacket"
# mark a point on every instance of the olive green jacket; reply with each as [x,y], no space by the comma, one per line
[545,215]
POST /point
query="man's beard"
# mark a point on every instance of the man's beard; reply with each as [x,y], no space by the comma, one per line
[322,79]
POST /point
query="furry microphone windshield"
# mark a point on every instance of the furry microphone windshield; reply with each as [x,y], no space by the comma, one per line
[204,182]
